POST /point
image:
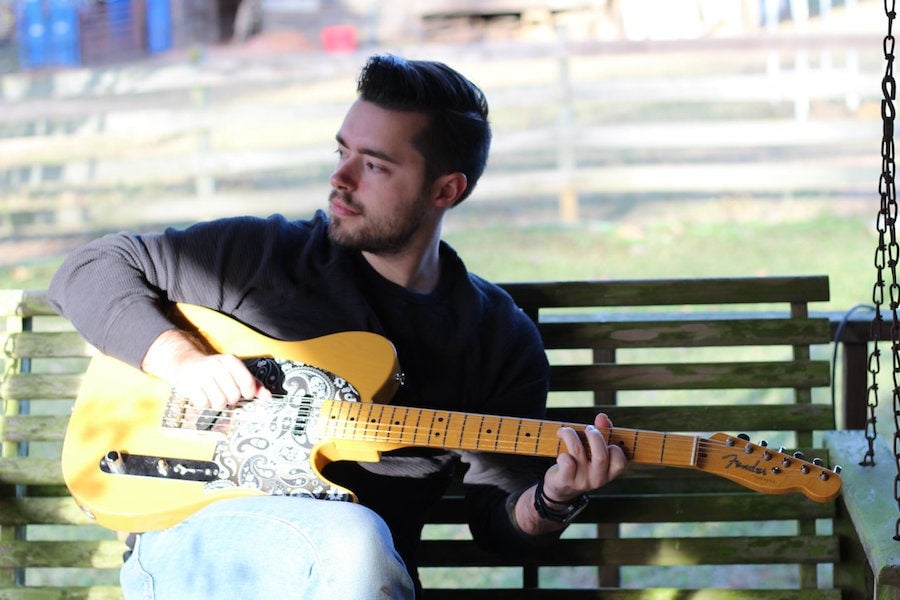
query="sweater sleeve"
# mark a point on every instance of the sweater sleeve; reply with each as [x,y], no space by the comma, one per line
[107,290]
[117,289]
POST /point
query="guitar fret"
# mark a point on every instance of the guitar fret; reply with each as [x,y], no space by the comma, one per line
[518,435]
[506,442]
[485,431]
[343,419]
[469,438]
[394,434]
[421,435]
[545,444]
[456,424]
[537,438]
[374,419]
[372,429]
[628,448]
[439,437]
[387,426]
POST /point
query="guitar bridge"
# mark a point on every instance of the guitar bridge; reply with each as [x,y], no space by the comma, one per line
[161,467]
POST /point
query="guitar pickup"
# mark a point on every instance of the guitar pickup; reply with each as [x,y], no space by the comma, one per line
[160,467]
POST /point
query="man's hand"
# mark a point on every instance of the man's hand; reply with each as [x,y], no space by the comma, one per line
[207,380]
[577,471]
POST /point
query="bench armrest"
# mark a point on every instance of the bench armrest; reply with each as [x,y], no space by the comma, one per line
[868,496]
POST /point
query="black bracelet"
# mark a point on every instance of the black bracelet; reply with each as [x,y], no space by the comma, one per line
[572,508]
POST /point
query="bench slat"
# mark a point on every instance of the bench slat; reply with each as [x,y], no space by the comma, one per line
[97,592]
[45,511]
[690,376]
[31,471]
[45,344]
[669,292]
[24,303]
[670,551]
[674,334]
[32,386]
[685,376]
[106,554]
[630,507]
[630,594]
[728,418]
[20,428]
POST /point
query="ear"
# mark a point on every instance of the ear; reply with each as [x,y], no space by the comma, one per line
[446,189]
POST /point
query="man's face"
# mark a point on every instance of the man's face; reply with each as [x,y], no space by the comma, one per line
[379,198]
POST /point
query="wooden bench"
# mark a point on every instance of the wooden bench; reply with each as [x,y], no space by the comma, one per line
[730,355]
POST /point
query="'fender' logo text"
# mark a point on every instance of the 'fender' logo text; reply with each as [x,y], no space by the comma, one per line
[734,461]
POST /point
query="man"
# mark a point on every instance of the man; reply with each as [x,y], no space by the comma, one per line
[410,148]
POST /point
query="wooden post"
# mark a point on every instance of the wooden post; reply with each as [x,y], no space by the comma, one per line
[568,196]
[204,181]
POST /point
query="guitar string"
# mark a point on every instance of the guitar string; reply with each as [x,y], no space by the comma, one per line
[387,432]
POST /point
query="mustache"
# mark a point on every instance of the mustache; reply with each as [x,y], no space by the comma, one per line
[345,199]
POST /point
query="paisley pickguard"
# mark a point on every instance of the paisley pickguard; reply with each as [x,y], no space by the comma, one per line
[268,442]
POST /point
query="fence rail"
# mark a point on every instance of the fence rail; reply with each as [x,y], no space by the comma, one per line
[97,148]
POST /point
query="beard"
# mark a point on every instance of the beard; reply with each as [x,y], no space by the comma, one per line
[383,234]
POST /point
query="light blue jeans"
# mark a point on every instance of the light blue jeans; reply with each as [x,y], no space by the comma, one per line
[269,548]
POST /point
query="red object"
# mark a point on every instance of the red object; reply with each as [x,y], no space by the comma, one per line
[339,39]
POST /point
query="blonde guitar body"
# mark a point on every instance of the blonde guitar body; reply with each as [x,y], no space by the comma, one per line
[138,457]
[122,410]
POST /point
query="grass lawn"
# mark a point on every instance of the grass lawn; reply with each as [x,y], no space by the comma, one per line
[720,239]
[666,245]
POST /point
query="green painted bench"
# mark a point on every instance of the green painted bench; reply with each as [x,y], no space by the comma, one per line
[708,355]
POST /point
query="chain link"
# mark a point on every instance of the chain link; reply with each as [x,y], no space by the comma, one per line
[887,257]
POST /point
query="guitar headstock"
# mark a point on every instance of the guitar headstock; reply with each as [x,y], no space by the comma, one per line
[765,470]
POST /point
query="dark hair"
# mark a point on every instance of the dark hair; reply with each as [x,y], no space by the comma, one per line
[458,136]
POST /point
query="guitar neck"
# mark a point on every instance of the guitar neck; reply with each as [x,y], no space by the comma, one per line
[392,427]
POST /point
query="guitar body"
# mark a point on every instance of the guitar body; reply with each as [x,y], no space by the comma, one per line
[137,458]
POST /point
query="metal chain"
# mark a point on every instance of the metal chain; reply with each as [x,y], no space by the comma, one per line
[887,256]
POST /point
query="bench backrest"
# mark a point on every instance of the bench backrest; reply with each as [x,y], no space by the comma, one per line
[731,355]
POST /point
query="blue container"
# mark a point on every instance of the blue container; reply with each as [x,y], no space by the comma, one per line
[65,47]
[159,26]
[32,33]
[48,35]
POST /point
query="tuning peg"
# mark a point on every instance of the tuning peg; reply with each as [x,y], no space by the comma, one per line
[764,443]
[781,449]
[818,462]
[837,469]
[798,455]
[744,437]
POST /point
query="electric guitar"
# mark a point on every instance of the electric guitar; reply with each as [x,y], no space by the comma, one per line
[137,457]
